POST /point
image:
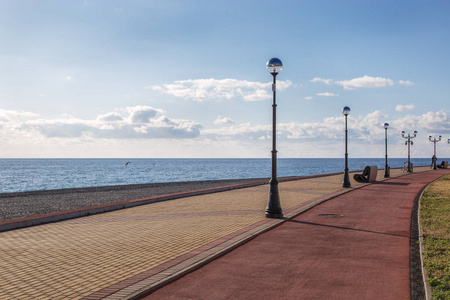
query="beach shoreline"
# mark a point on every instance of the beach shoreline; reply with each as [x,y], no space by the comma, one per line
[23,209]
[26,204]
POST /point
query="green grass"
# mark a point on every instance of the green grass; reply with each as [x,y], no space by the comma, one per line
[435,221]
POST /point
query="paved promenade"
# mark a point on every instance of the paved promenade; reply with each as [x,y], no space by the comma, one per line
[120,254]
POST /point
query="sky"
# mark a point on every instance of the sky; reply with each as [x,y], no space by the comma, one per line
[188,78]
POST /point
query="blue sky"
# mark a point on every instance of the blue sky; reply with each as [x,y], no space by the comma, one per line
[188,78]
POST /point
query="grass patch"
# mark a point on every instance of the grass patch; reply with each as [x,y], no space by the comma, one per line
[435,221]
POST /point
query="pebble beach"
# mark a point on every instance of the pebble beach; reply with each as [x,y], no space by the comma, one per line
[25,204]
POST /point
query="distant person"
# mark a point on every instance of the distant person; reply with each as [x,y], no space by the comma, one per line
[433,161]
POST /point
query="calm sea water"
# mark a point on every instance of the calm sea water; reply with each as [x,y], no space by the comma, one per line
[18,175]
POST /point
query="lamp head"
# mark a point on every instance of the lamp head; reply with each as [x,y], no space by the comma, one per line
[415,133]
[403,133]
[440,137]
[274,66]
[386,125]
[346,110]
[429,137]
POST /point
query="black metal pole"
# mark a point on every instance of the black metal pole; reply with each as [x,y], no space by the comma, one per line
[435,159]
[273,209]
[346,182]
[386,167]
[409,160]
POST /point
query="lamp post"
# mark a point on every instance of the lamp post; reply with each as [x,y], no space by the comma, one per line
[386,167]
[346,182]
[273,210]
[409,143]
[434,140]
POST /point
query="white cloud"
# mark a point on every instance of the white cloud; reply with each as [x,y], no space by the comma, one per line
[139,122]
[142,114]
[406,82]
[327,94]
[326,81]
[222,121]
[326,138]
[365,81]
[431,122]
[258,95]
[110,117]
[58,128]
[147,127]
[329,128]
[308,98]
[363,130]
[209,89]
[243,131]
[407,107]
[8,114]
[361,82]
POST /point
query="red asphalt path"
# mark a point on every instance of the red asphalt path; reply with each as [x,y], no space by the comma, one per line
[363,254]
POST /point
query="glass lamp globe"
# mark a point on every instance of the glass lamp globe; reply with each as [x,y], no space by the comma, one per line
[386,125]
[346,110]
[274,66]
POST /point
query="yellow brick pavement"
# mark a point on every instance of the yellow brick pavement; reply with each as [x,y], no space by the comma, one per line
[75,258]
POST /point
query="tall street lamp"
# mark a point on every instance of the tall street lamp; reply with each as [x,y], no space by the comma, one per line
[409,143]
[346,183]
[273,210]
[434,140]
[386,167]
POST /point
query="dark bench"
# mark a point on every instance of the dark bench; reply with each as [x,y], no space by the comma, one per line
[443,165]
[368,175]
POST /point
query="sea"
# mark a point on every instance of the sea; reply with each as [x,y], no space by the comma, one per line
[20,175]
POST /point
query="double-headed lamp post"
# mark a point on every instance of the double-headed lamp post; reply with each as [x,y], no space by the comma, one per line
[409,143]
[434,140]
[346,182]
[386,167]
[273,210]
